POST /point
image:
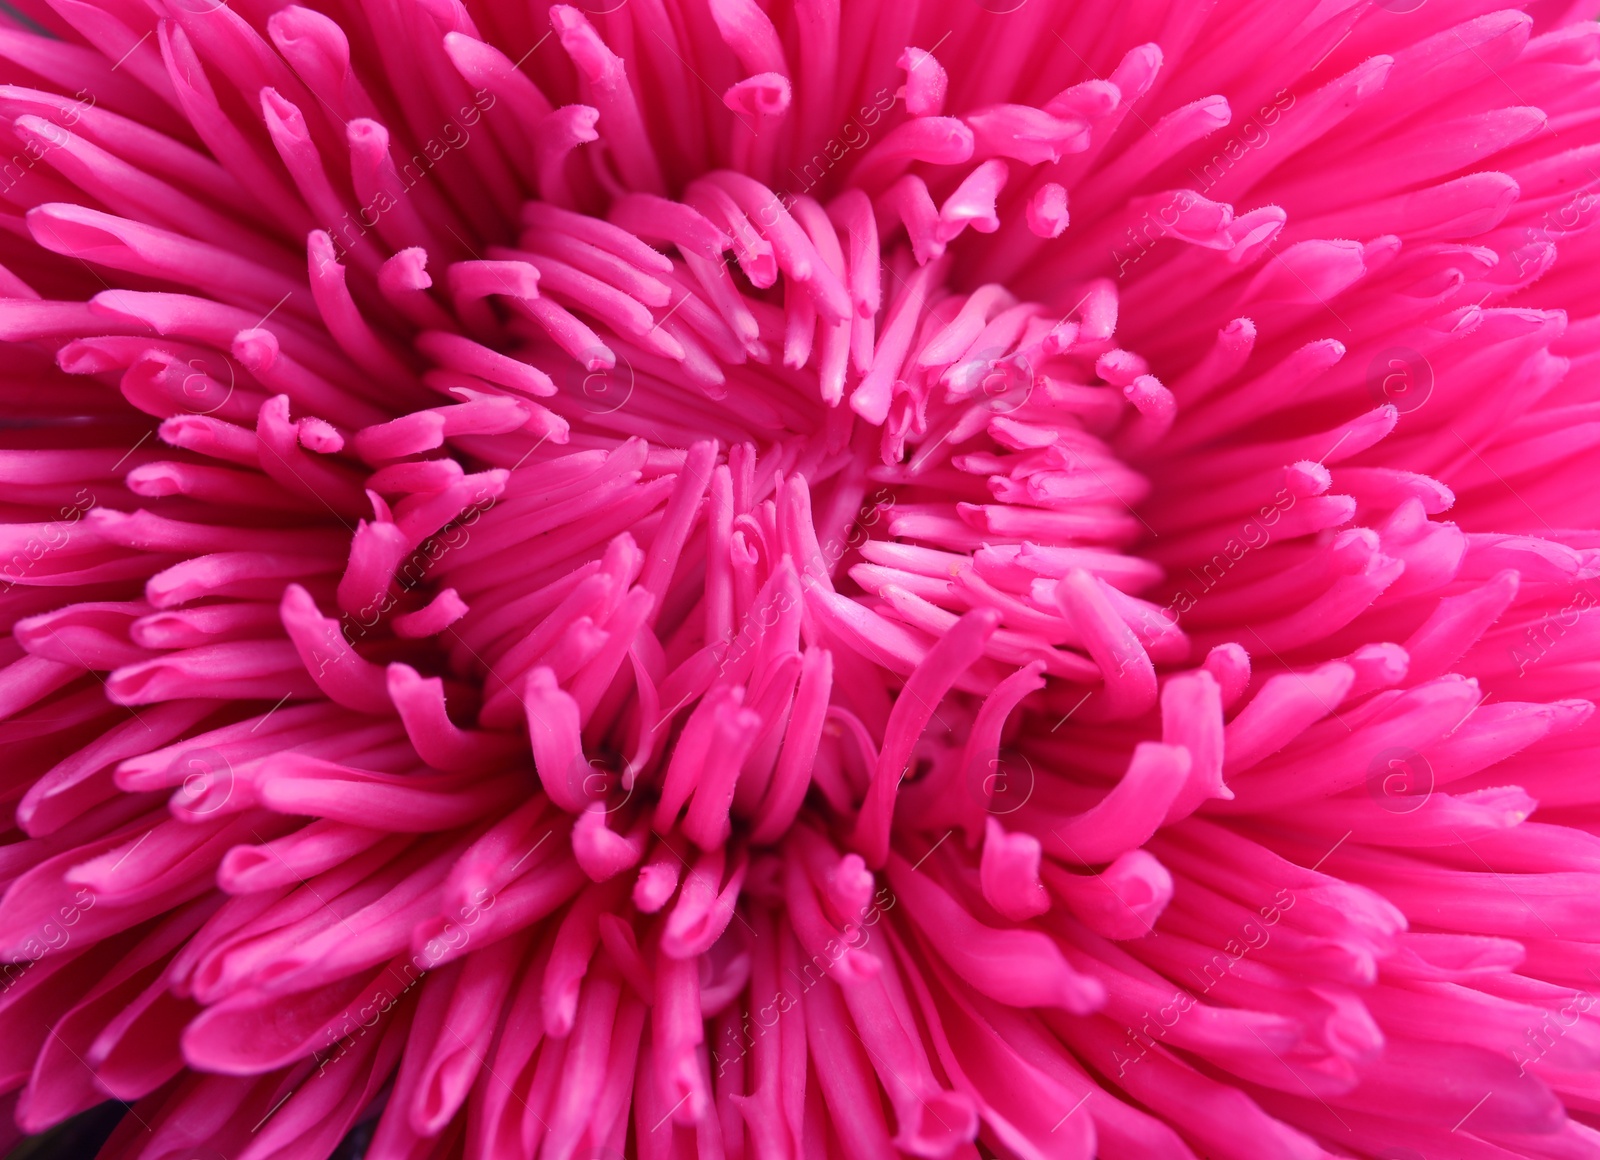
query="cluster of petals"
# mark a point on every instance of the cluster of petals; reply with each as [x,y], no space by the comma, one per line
[811,580]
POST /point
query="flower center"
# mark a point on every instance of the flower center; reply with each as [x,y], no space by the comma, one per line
[757,592]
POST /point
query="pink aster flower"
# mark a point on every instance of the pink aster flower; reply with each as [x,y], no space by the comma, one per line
[801,581]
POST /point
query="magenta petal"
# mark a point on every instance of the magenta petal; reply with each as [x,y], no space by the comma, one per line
[767,581]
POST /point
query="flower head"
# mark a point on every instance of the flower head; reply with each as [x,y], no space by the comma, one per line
[700,578]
